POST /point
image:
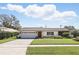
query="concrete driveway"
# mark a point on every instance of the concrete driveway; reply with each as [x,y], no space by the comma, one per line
[16,47]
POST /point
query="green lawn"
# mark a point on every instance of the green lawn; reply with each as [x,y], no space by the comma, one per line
[53,50]
[48,41]
[7,39]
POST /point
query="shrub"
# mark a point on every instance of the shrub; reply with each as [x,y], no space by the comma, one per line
[58,37]
[7,34]
[54,37]
[76,39]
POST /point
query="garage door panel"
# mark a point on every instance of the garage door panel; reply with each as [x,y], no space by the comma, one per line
[28,35]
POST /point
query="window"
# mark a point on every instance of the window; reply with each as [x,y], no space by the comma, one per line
[50,33]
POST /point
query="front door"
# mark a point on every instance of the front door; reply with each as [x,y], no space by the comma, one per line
[39,34]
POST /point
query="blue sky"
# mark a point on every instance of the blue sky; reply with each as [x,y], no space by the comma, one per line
[43,14]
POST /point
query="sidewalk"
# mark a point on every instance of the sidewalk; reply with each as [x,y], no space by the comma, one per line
[49,45]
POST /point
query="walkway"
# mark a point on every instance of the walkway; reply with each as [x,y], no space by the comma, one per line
[16,47]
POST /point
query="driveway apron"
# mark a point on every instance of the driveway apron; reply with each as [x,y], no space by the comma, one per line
[16,47]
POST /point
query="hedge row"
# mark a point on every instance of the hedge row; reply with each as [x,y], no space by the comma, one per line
[7,34]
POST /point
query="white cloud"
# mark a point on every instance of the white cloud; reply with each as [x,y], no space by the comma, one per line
[45,12]
[40,11]
[17,8]
[69,14]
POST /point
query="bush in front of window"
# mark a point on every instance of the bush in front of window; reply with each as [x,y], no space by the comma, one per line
[58,37]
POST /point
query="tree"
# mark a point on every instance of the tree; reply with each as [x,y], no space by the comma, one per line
[15,22]
[17,25]
[9,21]
[6,20]
[70,27]
[75,33]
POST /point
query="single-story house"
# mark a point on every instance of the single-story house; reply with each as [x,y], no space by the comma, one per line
[38,32]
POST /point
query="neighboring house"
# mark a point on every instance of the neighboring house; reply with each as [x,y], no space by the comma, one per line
[38,32]
[8,29]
